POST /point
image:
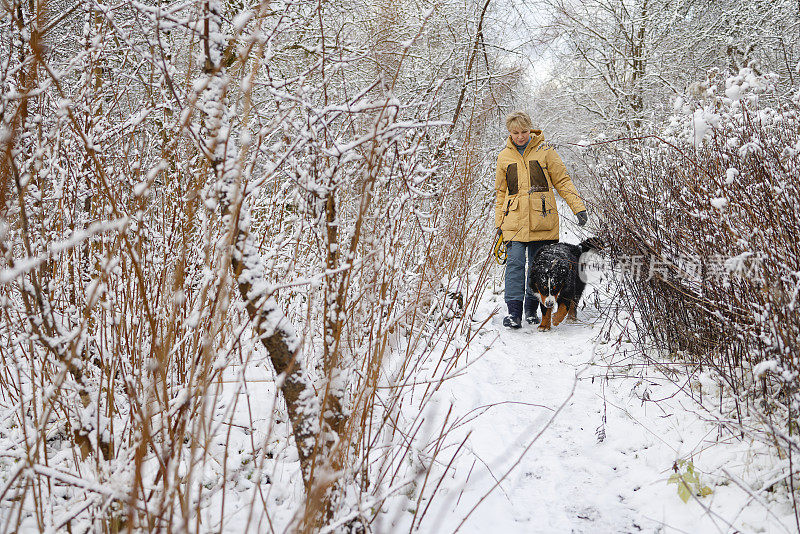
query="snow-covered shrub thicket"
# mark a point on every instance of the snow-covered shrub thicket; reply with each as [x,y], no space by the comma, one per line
[197,197]
[703,220]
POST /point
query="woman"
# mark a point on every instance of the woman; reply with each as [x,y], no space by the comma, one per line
[525,209]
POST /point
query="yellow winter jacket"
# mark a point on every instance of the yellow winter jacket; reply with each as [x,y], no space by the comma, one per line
[525,207]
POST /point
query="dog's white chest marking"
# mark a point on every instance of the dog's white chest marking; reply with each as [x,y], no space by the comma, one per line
[550,300]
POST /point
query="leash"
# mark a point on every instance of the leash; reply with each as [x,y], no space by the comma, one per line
[500,250]
[500,247]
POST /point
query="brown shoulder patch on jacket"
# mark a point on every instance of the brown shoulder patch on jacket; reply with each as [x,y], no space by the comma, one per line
[511,179]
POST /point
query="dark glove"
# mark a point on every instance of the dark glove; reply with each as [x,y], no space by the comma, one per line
[582,217]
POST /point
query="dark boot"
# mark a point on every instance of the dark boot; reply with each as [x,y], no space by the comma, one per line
[514,317]
[531,303]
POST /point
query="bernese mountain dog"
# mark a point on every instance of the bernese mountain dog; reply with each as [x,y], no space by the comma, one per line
[555,281]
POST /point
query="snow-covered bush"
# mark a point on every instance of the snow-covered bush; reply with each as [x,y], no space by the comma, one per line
[220,224]
[703,221]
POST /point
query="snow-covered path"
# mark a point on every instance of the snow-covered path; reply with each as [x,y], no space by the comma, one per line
[567,479]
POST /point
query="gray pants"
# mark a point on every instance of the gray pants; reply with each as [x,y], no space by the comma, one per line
[516,279]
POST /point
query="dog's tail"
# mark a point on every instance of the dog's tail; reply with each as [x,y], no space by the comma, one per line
[592,243]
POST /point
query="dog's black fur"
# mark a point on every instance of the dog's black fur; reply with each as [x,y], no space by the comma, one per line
[555,275]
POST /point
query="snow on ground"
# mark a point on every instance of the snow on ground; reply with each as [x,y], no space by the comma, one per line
[532,408]
[542,397]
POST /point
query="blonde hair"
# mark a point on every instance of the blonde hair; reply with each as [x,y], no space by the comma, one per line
[518,119]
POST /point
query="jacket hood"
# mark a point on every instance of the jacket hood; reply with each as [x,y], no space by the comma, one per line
[536,139]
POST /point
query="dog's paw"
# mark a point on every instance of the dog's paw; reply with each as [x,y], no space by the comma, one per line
[543,328]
